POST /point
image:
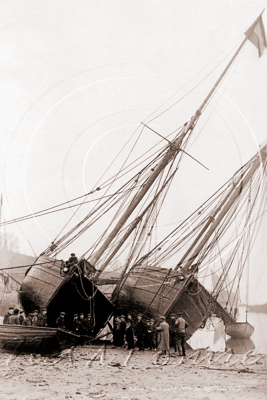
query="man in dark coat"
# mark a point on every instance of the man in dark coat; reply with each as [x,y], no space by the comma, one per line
[116,332]
[14,318]
[151,335]
[72,260]
[182,325]
[89,325]
[140,331]
[21,317]
[42,318]
[129,332]
[82,330]
[8,315]
[60,321]
[76,324]
[173,332]
[122,330]
[28,321]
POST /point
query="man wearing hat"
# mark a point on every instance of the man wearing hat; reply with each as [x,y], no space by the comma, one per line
[163,335]
[72,260]
[14,318]
[60,321]
[173,331]
[122,330]
[89,325]
[140,331]
[151,335]
[21,317]
[181,327]
[76,324]
[28,321]
[42,318]
[8,315]
[129,332]
[82,324]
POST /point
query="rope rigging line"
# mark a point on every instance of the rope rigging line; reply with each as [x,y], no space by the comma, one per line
[189,82]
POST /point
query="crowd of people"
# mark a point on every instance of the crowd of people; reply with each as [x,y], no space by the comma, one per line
[18,317]
[126,331]
[80,324]
[146,335]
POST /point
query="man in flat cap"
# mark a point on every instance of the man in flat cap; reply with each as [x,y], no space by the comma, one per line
[72,260]
[122,331]
[42,318]
[60,321]
[173,331]
[28,321]
[181,327]
[140,331]
[14,318]
[76,324]
[129,332]
[163,336]
[8,315]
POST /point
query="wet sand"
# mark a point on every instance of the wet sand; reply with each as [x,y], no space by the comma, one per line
[75,375]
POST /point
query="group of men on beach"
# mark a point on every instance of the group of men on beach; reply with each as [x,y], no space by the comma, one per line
[146,335]
[17,317]
[79,325]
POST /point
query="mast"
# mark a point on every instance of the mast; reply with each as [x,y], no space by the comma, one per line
[171,154]
[221,211]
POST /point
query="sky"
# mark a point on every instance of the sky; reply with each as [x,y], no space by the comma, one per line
[76,79]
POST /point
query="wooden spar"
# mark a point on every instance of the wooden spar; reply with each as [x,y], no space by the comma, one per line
[129,231]
[237,191]
[203,230]
[171,153]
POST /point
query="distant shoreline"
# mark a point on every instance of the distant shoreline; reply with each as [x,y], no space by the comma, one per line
[259,308]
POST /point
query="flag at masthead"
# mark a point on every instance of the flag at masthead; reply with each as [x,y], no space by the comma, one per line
[256,34]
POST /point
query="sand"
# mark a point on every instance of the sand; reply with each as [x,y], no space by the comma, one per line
[75,375]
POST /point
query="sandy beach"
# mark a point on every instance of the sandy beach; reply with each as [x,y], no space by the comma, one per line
[95,371]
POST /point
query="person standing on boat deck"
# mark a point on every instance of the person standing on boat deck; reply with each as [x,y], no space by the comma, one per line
[181,327]
[8,315]
[14,318]
[129,332]
[60,321]
[28,321]
[140,331]
[21,317]
[163,336]
[42,318]
[72,260]
[35,316]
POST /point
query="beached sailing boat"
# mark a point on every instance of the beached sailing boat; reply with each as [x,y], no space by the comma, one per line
[133,209]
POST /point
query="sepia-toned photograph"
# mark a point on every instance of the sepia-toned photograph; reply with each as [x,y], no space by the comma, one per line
[133,199]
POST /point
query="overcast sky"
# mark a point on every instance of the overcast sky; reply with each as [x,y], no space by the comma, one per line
[77,77]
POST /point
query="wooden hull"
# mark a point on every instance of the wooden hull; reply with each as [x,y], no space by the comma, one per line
[151,290]
[44,287]
[239,330]
[33,339]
